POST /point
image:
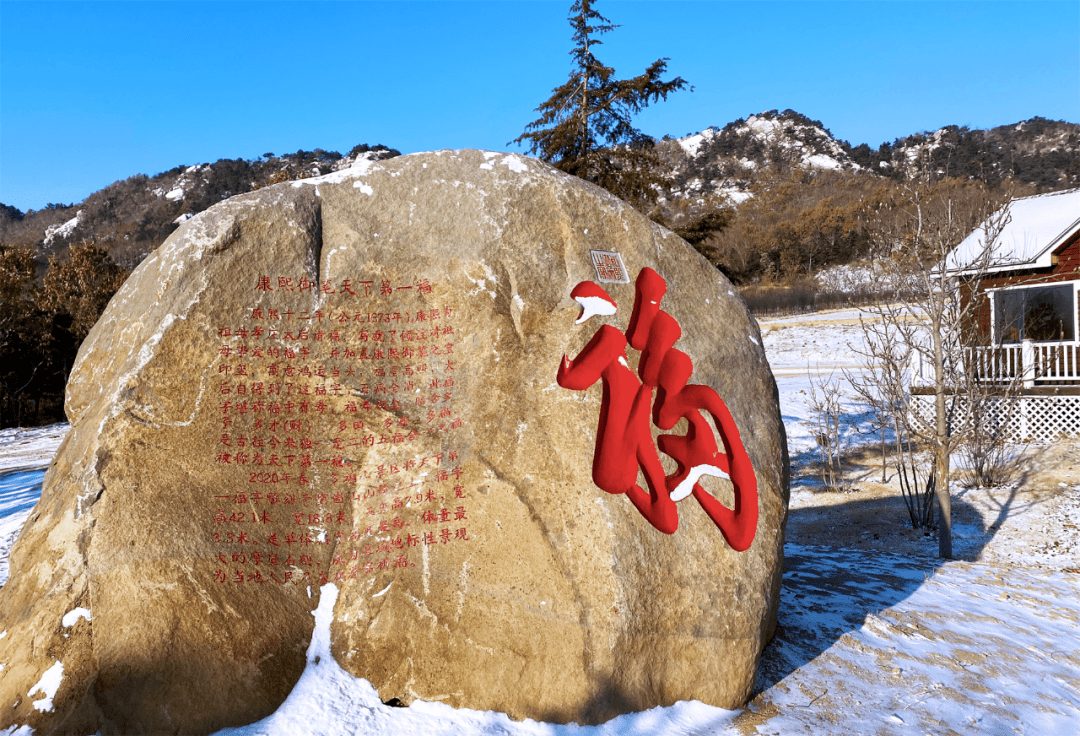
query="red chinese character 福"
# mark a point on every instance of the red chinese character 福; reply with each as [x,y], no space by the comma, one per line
[624,438]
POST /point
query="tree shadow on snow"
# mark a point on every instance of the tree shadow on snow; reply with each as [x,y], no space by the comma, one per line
[19,491]
[841,565]
[829,591]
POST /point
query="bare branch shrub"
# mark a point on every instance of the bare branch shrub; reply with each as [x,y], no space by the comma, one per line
[882,383]
[987,458]
[917,346]
[826,405]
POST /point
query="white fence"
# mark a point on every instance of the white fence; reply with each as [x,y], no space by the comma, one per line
[1026,418]
[1034,363]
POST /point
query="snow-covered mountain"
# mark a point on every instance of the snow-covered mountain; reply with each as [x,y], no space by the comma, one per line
[133,216]
[723,162]
[717,166]
[787,135]
[1039,152]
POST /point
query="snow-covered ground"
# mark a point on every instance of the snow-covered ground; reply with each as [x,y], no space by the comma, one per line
[870,641]
[24,455]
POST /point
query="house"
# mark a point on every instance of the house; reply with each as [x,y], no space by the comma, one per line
[1026,331]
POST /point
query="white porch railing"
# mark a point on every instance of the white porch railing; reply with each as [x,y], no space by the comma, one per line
[1032,363]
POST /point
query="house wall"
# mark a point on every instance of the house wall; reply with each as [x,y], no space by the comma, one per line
[1067,269]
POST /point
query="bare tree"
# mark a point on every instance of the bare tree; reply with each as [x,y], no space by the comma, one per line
[826,399]
[988,457]
[883,384]
[923,338]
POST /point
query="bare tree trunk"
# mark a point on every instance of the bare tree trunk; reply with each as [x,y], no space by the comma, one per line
[585,102]
[883,456]
[941,482]
[941,437]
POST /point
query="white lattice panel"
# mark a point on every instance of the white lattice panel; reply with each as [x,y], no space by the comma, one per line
[1029,418]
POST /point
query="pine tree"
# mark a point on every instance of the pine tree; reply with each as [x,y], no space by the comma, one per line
[586,127]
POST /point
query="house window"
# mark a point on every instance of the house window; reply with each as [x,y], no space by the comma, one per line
[1042,313]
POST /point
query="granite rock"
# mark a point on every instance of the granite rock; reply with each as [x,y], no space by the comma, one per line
[355,381]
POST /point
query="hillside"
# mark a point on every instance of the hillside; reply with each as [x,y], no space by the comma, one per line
[132,217]
[726,162]
[718,167]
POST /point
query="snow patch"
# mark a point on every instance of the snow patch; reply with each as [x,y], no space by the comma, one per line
[820,161]
[515,163]
[848,277]
[62,231]
[47,686]
[330,701]
[692,144]
[71,617]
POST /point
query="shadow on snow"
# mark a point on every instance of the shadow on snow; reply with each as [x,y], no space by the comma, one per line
[830,590]
[19,491]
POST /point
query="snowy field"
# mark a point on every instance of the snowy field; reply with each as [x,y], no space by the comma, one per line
[875,637]
[24,455]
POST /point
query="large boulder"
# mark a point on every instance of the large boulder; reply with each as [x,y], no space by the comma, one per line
[359,381]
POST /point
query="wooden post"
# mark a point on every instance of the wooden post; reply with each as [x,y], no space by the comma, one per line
[1027,361]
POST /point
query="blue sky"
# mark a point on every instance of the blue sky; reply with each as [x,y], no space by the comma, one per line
[93,92]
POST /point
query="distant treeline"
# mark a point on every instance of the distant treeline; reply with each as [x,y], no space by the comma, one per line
[43,320]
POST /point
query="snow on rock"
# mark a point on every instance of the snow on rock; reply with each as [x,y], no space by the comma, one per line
[790,135]
[182,183]
[515,163]
[819,161]
[809,145]
[47,686]
[329,701]
[734,194]
[62,231]
[692,144]
[73,616]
